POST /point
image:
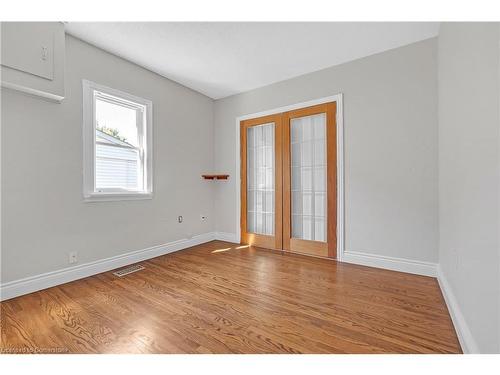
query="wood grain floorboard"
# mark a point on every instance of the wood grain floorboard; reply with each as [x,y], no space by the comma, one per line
[223,298]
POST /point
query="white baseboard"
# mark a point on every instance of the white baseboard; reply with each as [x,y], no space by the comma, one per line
[228,237]
[390,263]
[467,342]
[32,284]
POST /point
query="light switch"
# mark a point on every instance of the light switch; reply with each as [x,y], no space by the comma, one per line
[44,53]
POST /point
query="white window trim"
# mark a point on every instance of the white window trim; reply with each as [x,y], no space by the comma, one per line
[89,193]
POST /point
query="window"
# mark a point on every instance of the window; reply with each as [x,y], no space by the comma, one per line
[117,144]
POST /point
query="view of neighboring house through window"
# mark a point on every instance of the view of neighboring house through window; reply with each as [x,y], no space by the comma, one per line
[117,155]
[118,161]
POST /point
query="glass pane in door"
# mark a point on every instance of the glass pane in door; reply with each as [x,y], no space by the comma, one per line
[308,177]
[260,179]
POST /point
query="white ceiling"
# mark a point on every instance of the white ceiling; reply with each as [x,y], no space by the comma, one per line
[222,59]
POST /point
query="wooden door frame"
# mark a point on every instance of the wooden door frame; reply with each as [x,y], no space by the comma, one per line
[338,99]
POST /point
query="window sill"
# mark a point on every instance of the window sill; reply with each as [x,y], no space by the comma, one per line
[113,197]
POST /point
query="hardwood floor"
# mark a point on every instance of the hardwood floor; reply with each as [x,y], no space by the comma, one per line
[222,298]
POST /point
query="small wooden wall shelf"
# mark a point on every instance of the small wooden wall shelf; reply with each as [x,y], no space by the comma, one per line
[215,176]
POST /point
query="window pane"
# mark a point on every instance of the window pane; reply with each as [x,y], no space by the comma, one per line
[260,179]
[308,155]
[117,163]
[116,168]
[116,120]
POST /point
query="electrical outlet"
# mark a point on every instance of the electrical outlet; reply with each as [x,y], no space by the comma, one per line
[73,257]
[179,219]
[203,217]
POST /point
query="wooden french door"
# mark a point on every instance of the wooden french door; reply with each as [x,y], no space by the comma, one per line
[296,209]
[261,182]
[310,181]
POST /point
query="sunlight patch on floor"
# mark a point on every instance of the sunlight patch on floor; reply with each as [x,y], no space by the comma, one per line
[230,248]
[221,250]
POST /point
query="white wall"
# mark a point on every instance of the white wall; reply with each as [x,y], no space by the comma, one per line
[390,119]
[469,173]
[43,213]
